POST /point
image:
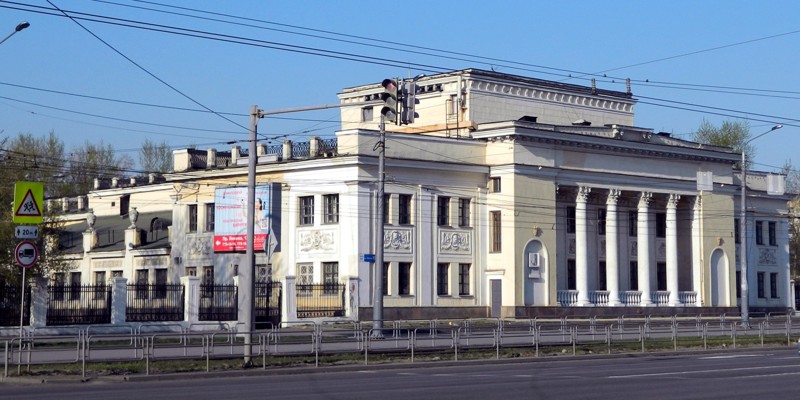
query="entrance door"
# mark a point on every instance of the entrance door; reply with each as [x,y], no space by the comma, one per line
[496,297]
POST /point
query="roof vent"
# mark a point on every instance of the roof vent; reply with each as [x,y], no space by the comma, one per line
[581,122]
[527,118]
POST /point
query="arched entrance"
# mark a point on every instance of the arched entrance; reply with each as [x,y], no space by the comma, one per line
[719,278]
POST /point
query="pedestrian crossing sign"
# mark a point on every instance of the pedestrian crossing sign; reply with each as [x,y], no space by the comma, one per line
[28,200]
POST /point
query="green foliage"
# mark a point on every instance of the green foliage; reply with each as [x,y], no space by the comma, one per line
[733,134]
[155,157]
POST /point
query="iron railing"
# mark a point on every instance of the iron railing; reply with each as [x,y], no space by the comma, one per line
[79,304]
[10,303]
[219,303]
[159,302]
[320,300]
[268,298]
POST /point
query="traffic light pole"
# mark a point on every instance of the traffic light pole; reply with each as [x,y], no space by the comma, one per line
[377,302]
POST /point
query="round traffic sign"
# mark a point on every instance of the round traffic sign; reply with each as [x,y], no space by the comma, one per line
[26,254]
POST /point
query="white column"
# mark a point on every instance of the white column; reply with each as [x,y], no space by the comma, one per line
[672,250]
[119,299]
[643,238]
[697,263]
[191,300]
[612,248]
[581,238]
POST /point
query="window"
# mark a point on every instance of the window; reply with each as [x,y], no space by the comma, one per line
[141,284]
[404,279]
[99,280]
[191,271]
[570,219]
[75,285]
[330,277]
[124,204]
[661,225]
[601,222]
[759,233]
[773,285]
[601,276]
[404,217]
[737,231]
[385,283]
[207,284]
[761,294]
[192,218]
[494,231]
[463,212]
[443,211]
[772,233]
[571,283]
[366,114]
[633,275]
[330,203]
[494,184]
[386,207]
[452,105]
[464,279]
[661,276]
[307,210]
[738,284]
[633,218]
[161,284]
[442,279]
[58,286]
[305,278]
[209,217]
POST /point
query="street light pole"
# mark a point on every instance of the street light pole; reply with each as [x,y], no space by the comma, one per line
[745,311]
[20,26]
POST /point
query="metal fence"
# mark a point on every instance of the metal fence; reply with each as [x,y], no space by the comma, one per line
[159,302]
[320,300]
[268,298]
[10,303]
[79,304]
[219,303]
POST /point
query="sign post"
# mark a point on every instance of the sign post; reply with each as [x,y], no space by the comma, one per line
[26,255]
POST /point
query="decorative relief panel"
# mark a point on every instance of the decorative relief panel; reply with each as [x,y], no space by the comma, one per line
[767,256]
[144,262]
[397,241]
[199,246]
[455,242]
[661,254]
[602,248]
[571,246]
[109,263]
[634,249]
[316,241]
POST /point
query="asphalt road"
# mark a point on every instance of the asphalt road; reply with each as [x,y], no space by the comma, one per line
[767,374]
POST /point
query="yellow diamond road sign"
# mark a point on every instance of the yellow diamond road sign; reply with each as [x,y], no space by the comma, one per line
[28,200]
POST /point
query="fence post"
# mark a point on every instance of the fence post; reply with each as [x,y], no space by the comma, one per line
[191,299]
[290,299]
[354,300]
[39,300]
[119,299]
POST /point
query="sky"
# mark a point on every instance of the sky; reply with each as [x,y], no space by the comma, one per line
[186,72]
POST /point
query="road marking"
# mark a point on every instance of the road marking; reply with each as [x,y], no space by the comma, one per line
[767,375]
[523,376]
[733,356]
[702,371]
[407,373]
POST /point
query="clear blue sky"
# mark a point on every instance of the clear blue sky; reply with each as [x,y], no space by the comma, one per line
[743,57]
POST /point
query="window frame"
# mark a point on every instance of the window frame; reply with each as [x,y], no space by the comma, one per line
[773,285]
[305,210]
[570,219]
[495,184]
[404,209]
[772,233]
[633,223]
[443,211]
[210,215]
[404,279]
[602,215]
[330,208]
[192,210]
[464,279]
[495,236]
[759,228]
[464,205]
[761,292]
[443,279]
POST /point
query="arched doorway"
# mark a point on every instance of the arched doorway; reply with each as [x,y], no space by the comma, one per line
[719,278]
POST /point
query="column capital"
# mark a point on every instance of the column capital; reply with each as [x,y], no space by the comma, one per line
[644,199]
[583,193]
[613,196]
[673,200]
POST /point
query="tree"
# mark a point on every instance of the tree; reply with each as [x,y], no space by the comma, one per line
[95,161]
[155,157]
[793,187]
[734,134]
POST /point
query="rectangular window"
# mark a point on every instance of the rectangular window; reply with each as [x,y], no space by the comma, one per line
[161,284]
[305,276]
[464,279]
[463,212]
[738,284]
[209,217]
[601,222]
[330,277]
[124,204]
[661,276]
[494,184]
[737,232]
[192,218]
[404,279]
[404,206]
[661,225]
[75,285]
[191,271]
[387,207]
[570,219]
[443,211]
[773,285]
[330,202]
[759,232]
[366,114]
[141,283]
[633,229]
[306,210]
[442,279]
[385,279]
[571,282]
[761,293]
[772,233]
[633,275]
[601,276]
[206,285]
[494,232]
[99,279]
[58,286]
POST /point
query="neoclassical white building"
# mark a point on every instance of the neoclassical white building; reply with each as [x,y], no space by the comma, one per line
[508,196]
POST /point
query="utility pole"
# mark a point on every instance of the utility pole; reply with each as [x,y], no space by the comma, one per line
[377,302]
[247,274]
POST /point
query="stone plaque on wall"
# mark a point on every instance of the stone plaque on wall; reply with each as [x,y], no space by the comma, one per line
[316,241]
[455,242]
[397,241]
[767,256]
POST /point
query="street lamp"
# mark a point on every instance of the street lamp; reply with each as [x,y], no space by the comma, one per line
[20,26]
[743,229]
